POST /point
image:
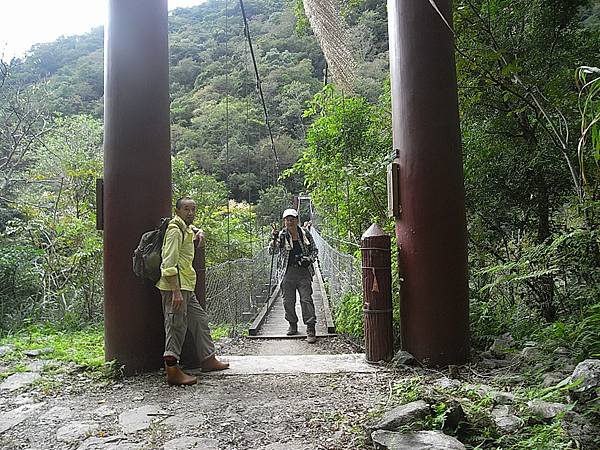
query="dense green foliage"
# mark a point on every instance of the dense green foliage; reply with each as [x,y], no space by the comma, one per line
[344,162]
[532,194]
[530,134]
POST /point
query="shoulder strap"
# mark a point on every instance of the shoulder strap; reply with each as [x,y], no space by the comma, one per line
[182,230]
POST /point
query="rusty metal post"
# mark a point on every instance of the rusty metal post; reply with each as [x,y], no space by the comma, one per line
[377,294]
[99,204]
[137,174]
[199,265]
[189,352]
[431,229]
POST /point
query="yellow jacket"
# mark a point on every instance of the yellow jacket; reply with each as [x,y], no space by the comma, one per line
[177,256]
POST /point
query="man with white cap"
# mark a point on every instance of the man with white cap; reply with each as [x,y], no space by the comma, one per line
[297,253]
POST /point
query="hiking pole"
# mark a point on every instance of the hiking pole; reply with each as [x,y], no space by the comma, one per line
[270,277]
[273,227]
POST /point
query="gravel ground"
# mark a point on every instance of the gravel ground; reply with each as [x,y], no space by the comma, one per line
[274,412]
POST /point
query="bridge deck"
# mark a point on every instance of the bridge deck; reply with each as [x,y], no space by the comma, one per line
[271,323]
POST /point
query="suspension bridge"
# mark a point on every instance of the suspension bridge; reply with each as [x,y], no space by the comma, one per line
[237,292]
[425,187]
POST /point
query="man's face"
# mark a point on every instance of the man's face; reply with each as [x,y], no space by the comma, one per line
[290,222]
[187,211]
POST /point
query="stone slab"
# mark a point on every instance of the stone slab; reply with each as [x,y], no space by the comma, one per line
[139,419]
[5,349]
[57,414]
[76,431]
[108,443]
[419,440]
[18,380]
[14,417]
[288,446]
[192,443]
[290,364]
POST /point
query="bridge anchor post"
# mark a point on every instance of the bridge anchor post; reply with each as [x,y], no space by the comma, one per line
[377,294]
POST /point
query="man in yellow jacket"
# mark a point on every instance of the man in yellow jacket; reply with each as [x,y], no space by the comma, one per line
[182,312]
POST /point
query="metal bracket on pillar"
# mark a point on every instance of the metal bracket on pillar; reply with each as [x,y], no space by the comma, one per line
[99,204]
[393,189]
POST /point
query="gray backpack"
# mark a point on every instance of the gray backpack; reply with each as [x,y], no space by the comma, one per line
[147,257]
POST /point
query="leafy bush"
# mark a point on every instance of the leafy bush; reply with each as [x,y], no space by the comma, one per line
[19,284]
[349,315]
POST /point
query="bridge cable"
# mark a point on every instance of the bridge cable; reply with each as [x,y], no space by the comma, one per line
[260,91]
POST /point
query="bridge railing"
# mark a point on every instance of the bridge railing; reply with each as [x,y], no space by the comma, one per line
[341,271]
[236,289]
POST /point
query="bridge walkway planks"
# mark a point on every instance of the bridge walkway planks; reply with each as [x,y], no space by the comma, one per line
[271,324]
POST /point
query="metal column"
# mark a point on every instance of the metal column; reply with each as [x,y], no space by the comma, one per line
[137,174]
[431,229]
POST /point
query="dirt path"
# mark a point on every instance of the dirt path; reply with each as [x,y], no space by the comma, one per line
[275,411]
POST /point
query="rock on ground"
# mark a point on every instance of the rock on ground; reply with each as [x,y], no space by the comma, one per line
[580,429]
[505,420]
[76,431]
[401,415]
[545,410]
[192,443]
[109,443]
[588,372]
[419,440]
[138,419]
[19,380]
[14,417]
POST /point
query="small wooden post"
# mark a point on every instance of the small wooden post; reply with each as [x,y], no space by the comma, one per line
[377,294]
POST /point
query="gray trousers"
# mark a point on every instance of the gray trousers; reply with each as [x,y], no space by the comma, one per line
[298,279]
[187,335]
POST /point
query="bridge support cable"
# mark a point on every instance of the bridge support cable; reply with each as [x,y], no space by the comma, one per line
[260,92]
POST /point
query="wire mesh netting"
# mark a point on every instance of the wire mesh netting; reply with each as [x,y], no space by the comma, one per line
[331,31]
[341,272]
[234,289]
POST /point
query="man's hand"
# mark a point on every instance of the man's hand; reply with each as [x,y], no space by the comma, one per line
[176,300]
[199,237]
[304,261]
[274,231]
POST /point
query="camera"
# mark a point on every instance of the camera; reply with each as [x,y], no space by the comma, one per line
[302,261]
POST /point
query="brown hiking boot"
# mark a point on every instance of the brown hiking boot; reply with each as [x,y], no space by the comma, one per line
[311,334]
[292,329]
[212,364]
[176,377]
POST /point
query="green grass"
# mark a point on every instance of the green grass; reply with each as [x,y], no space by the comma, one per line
[408,390]
[82,347]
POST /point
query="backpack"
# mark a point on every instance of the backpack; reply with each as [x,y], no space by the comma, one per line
[147,257]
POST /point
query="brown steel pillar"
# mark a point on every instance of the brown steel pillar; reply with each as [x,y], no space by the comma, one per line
[431,229]
[199,265]
[189,353]
[377,294]
[137,174]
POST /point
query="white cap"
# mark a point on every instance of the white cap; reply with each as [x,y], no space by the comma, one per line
[289,212]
